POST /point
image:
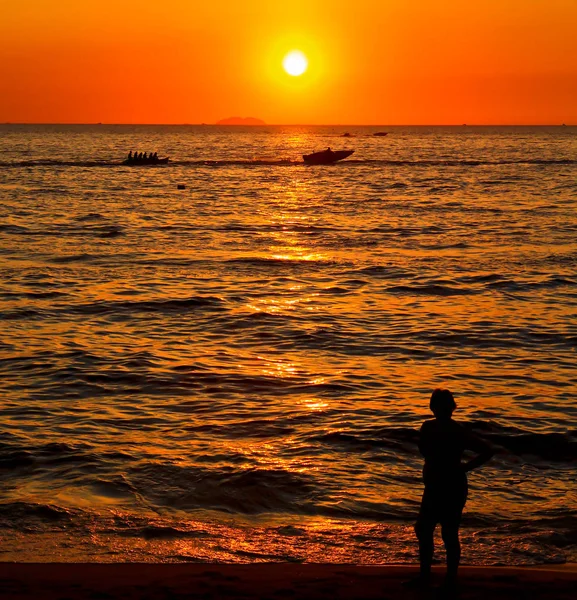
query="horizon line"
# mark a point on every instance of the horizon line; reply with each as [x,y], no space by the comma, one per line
[295,124]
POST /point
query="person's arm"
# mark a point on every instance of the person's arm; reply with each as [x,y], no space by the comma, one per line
[483,449]
[424,439]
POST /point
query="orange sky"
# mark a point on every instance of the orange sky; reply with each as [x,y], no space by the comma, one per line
[370,61]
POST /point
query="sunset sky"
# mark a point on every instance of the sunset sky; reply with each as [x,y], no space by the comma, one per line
[369,61]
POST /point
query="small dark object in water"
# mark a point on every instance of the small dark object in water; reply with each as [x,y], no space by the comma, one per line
[181,186]
[137,162]
[326,157]
[381,133]
[346,134]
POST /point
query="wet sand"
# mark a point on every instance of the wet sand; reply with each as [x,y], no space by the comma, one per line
[271,581]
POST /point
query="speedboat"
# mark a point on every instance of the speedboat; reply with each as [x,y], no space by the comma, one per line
[326,157]
[137,162]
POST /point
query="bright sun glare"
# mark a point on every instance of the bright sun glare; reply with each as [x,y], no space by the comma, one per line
[295,63]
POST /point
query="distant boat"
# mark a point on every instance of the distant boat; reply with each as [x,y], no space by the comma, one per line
[326,157]
[381,133]
[138,162]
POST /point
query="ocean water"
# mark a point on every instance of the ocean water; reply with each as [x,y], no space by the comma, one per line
[237,371]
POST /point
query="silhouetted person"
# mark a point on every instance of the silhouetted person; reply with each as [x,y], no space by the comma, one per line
[130,155]
[442,442]
[140,156]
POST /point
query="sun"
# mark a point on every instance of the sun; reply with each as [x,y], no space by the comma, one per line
[295,63]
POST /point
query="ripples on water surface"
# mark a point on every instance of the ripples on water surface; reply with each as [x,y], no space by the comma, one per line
[237,371]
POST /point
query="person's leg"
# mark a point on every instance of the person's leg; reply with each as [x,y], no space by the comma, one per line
[450,522]
[450,533]
[425,531]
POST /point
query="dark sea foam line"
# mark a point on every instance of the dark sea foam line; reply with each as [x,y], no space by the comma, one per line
[287,163]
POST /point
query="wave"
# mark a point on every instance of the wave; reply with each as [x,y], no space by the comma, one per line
[511,441]
[281,263]
[15,456]
[552,447]
[250,490]
[431,290]
[138,306]
[124,307]
[102,231]
[27,514]
[550,282]
[119,536]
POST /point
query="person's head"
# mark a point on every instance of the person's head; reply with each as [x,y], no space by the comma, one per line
[442,403]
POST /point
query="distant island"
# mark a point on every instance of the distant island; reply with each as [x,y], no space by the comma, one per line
[240,121]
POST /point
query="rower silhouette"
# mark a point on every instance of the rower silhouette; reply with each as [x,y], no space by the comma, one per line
[442,442]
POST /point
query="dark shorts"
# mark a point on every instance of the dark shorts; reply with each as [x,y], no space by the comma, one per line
[443,504]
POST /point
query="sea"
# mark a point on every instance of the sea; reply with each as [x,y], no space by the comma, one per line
[228,358]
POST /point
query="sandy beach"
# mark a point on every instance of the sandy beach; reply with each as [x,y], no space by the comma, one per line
[278,580]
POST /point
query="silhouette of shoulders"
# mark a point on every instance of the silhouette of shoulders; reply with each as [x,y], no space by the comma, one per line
[442,442]
[441,436]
